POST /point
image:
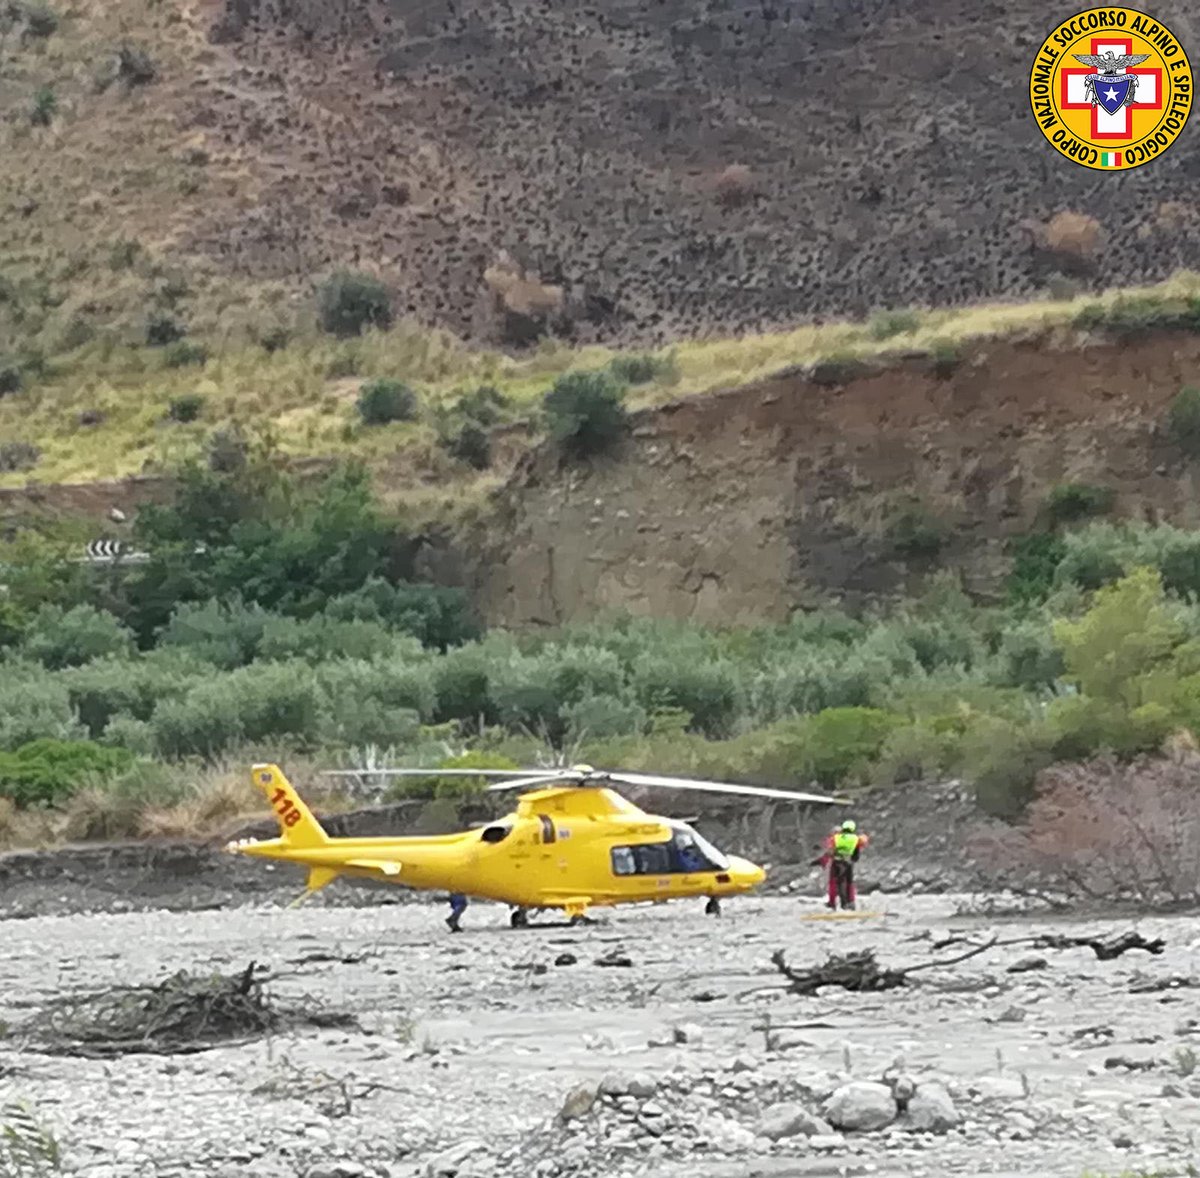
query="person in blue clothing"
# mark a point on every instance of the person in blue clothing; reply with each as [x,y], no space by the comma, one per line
[458,905]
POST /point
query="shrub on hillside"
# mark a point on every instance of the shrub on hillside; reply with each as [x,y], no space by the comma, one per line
[40,19]
[117,807]
[1183,420]
[469,443]
[641,369]
[134,66]
[44,106]
[1003,759]
[1127,634]
[887,324]
[18,456]
[434,786]
[394,684]
[227,634]
[1180,567]
[915,533]
[320,638]
[185,354]
[112,686]
[707,691]
[437,616]
[1035,558]
[46,772]
[186,408]
[462,684]
[59,638]
[204,723]
[1069,502]
[349,303]
[348,723]
[585,412]
[839,744]
[381,402]
[10,378]
[601,717]
[33,705]
[163,329]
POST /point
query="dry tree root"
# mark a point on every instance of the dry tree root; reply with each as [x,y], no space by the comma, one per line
[854,971]
[857,971]
[184,1014]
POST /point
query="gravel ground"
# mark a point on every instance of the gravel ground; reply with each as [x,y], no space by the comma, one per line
[516,1053]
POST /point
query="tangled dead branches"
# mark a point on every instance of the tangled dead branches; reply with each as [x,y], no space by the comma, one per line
[184,1014]
[858,971]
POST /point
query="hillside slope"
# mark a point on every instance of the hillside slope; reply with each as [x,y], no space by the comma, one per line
[667,168]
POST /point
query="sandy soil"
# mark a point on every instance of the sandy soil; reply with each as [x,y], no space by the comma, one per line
[474,1042]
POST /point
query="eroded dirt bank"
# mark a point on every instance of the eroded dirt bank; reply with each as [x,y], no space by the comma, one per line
[471,1046]
[743,505]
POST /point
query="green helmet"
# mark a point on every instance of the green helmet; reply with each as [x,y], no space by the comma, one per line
[849,826]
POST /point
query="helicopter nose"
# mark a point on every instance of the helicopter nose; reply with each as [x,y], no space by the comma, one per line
[746,874]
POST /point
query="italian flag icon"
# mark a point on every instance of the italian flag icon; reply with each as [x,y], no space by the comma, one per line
[1110,159]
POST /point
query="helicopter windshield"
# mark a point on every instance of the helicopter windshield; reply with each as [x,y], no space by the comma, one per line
[689,844]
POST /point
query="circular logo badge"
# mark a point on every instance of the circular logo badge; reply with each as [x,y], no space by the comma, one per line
[1111,88]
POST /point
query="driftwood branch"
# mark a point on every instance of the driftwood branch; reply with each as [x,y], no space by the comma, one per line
[1105,948]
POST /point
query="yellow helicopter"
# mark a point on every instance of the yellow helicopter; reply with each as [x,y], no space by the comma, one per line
[572,844]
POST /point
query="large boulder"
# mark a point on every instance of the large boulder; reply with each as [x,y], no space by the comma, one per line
[931,1109]
[862,1106]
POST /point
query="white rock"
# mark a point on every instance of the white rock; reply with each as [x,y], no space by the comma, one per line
[997,1088]
[861,1105]
[833,1142]
[463,1160]
[785,1040]
[578,1102]
[789,1119]
[931,1110]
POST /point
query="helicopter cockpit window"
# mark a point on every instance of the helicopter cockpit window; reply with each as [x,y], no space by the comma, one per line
[690,851]
[623,862]
[494,834]
[653,858]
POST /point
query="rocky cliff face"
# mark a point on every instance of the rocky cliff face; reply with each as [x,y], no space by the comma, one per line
[747,504]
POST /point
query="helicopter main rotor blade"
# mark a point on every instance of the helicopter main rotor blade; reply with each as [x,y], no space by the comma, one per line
[565,776]
[522,773]
[722,787]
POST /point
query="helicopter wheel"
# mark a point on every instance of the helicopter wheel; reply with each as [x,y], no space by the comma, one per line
[713,907]
[519,918]
[579,919]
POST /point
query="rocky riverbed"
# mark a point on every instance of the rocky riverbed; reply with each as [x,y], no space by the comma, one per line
[660,1042]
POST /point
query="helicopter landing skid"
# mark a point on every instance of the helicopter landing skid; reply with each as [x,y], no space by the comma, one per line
[519,919]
